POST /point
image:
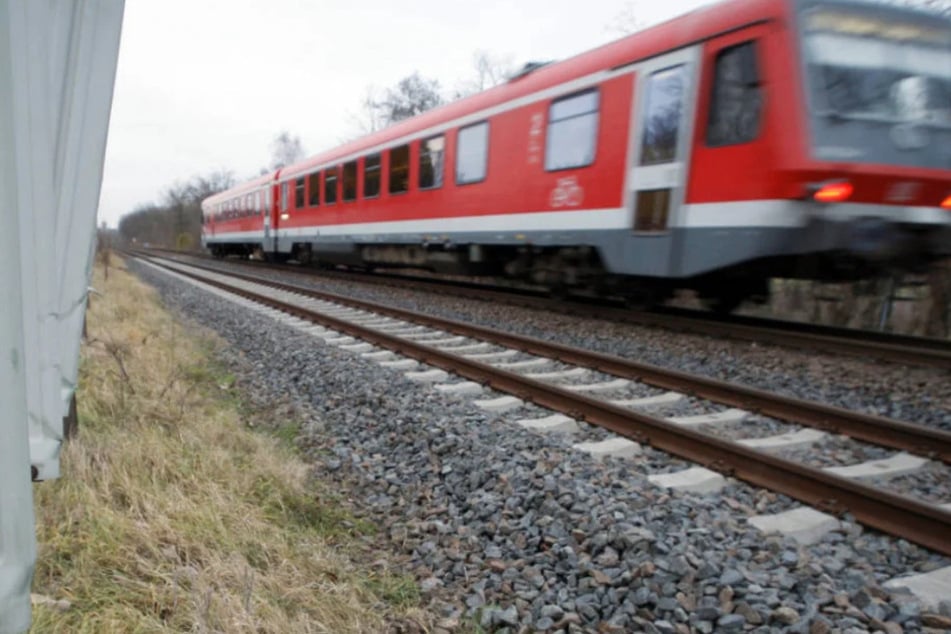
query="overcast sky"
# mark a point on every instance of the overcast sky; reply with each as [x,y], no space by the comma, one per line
[204,85]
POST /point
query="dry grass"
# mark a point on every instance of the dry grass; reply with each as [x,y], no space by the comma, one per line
[173,516]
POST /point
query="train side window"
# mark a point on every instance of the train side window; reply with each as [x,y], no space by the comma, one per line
[299,192]
[572,131]
[399,169]
[284,186]
[313,186]
[248,204]
[330,186]
[371,176]
[349,181]
[431,154]
[736,102]
[472,155]
[663,108]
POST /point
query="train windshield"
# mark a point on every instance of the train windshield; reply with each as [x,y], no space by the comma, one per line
[879,85]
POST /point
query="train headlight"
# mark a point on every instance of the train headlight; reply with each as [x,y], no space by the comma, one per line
[831,191]
[946,203]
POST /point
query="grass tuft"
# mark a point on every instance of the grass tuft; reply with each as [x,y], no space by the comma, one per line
[172,515]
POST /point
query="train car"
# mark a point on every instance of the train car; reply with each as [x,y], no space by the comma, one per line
[238,221]
[746,140]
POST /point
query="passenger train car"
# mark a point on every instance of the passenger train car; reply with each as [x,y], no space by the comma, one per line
[747,140]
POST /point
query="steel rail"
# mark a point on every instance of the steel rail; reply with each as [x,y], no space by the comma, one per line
[897,348]
[878,430]
[904,349]
[918,522]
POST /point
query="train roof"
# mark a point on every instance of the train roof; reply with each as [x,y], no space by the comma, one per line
[240,188]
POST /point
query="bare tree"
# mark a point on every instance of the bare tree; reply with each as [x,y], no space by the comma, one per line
[285,149]
[201,187]
[413,95]
[368,119]
[626,21]
[490,70]
[176,221]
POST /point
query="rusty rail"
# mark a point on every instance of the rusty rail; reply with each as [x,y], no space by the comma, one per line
[879,430]
[904,349]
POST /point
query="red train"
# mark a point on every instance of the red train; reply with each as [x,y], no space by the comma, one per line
[747,140]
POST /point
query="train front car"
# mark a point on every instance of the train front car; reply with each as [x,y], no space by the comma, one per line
[822,150]
[877,83]
[745,141]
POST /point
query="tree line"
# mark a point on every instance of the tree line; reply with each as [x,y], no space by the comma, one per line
[175,221]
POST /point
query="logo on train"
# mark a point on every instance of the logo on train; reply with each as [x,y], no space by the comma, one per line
[567,193]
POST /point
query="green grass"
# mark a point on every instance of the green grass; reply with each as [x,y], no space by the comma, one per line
[173,515]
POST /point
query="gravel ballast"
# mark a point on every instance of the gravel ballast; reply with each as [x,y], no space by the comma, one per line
[919,395]
[518,532]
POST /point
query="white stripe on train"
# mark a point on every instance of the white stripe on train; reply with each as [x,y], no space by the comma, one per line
[757,213]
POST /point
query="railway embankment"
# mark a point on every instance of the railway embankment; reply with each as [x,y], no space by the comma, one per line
[183,506]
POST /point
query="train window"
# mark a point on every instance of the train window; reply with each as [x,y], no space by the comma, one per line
[572,131]
[350,181]
[299,192]
[431,153]
[737,100]
[284,196]
[371,176]
[663,108]
[472,154]
[313,187]
[399,169]
[248,205]
[652,208]
[330,186]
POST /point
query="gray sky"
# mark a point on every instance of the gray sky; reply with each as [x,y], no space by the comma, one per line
[207,84]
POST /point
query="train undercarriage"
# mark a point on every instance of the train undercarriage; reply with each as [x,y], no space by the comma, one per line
[579,270]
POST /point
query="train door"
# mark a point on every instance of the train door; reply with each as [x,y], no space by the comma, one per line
[265,206]
[665,100]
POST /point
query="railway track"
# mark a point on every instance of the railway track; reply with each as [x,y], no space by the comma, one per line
[487,358]
[895,348]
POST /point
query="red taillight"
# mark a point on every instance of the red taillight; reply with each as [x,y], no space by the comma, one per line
[946,203]
[833,192]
